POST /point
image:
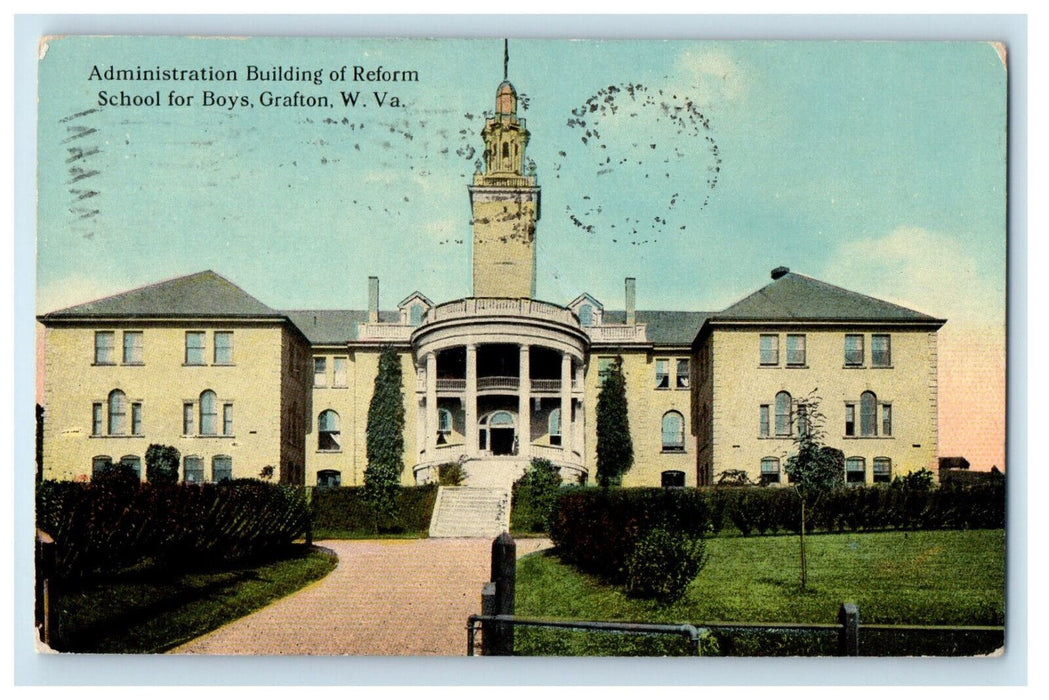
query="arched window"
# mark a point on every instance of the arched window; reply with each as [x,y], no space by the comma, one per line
[882,471]
[673,432]
[328,435]
[329,478]
[132,462]
[783,414]
[100,465]
[193,470]
[444,420]
[208,413]
[672,479]
[586,315]
[221,469]
[501,419]
[506,150]
[117,412]
[769,470]
[855,470]
[554,426]
[868,414]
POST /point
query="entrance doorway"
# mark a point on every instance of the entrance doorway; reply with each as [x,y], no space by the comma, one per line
[499,432]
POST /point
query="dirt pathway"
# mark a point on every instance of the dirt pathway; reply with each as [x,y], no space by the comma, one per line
[407,597]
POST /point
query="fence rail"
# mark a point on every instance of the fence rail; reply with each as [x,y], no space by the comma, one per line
[689,631]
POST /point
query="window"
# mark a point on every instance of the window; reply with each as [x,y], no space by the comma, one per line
[136,419]
[193,470]
[855,470]
[662,374]
[227,419]
[882,473]
[117,412]
[100,465]
[604,367]
[886,419]
[187,418]
[104,348]
[208,413]
[194,347]
[783,406]
[586,315]
[133,347]
[416,314]
[770,349]
[328,435]
[868,414]
[320,371]
[223,348]
[329,478]
[795,350]
[673,479]
[339,366]
[850,419]
[673,432]
[133,463]
[444,420]
[96,419]
[853,350]
[682,374]
[554,426]
[763,420]
[881,351]
[769,471]
[221,469]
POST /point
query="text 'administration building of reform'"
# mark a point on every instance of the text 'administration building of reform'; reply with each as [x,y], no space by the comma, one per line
[492,380]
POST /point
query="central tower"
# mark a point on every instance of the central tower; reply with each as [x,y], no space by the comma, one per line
[504,202]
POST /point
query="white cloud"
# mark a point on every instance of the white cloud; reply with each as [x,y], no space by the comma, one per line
[923,270]
[74,290]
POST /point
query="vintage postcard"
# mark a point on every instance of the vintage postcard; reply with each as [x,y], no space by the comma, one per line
[531,347]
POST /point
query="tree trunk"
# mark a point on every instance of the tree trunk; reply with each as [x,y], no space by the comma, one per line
[803,544]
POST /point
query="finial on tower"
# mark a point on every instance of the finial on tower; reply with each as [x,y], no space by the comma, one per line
[506,58]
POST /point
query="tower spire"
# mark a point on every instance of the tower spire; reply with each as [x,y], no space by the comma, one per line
[506,58]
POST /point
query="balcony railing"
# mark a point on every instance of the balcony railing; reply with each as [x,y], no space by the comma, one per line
[384,331]
[451,384]
[495,306]
[618,334]
[546,385]
[497,383]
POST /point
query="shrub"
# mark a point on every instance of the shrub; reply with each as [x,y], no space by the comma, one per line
[662,564]
[451,474]
[104,526]
[338,512]
[534,495]
[162,464]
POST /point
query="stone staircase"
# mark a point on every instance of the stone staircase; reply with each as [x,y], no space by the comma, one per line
[470,511]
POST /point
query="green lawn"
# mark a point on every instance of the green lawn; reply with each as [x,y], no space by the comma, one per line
[152,613]
[934,578]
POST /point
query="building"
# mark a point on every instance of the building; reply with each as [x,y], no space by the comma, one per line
[491,380]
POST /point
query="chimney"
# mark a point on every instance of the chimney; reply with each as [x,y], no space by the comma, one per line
[631,295]
[779,272]
[373,300]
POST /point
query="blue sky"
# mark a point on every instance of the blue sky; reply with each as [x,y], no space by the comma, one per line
[877,166]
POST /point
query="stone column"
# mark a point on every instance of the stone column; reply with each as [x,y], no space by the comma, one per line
[566,405]
[524,407]
[431,407]
[470,400]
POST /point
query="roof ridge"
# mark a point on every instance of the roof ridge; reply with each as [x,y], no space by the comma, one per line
[141,288]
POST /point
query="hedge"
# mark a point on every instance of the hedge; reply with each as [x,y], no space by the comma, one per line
[109,526]
[345,511]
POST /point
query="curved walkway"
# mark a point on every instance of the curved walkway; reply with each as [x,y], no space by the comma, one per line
[385,597]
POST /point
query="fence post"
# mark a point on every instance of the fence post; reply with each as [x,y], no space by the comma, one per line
[488,633]
[46,613]
[849,634]
[500,638]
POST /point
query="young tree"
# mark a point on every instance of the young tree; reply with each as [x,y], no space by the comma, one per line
[615,449]
[162,464]
[385,435]
[814,468]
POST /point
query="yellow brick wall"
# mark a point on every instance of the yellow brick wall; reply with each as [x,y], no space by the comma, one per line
[739,385]
[504,247]
[646,406]
[162,383]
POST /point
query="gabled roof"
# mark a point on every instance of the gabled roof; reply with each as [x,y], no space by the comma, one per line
[200,295]
[585,297]
[794,297]
[664,327]
[415,295]
[334,326]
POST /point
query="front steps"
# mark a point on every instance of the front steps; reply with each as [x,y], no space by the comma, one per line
[470,511]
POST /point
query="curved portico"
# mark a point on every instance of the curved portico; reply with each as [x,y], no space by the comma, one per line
[500,381]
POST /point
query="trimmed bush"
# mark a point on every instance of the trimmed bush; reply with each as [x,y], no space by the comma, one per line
[451,474]
[107,526]
[663,564]
[534,495]
[347,512]
[162,464]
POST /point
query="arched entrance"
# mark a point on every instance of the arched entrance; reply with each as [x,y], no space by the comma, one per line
[498,433]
